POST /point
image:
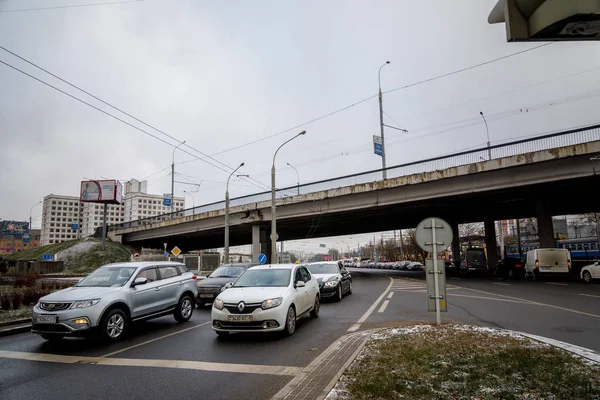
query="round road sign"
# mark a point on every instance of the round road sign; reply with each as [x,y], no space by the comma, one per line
[443,234]
[136,256]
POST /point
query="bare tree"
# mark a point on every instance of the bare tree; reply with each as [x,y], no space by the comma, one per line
[388,249]
[411,247]
[334,254]
[529,227]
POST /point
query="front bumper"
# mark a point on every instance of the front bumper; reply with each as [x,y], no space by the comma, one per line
[328,291]
[262,320]
[65,324]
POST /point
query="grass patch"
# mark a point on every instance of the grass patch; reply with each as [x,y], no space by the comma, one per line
[455,362]
[23,312]
[36,253]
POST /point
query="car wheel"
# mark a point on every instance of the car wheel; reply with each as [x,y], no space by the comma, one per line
[339,294]
[350,288]
[316,308]
[184,309]
[52,338]
[114,325]
[290,322]
[587,277]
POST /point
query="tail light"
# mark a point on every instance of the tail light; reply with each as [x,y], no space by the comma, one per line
[466,264]
[193,277]
[537,263]
[519,265]
[569,264]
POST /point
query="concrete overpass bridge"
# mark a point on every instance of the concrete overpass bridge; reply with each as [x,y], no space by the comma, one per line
[539,177]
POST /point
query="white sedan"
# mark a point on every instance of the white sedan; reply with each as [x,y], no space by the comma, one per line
[267,298]
[590,272]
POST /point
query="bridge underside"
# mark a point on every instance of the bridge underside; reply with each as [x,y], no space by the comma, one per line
[570,196]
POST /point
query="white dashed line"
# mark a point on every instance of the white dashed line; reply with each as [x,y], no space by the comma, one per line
[384,306]
[557,284]
[390,295]
[589,295]
[367,313]
[503,284]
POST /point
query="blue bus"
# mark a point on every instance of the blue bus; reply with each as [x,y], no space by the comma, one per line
[582,249]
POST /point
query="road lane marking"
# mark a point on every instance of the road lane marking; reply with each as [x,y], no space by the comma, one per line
[534,302]
[589,295]
[390,295]
[383,306]
[367,313]
[502,284]
[154,340]
[557,284]
[133,362]
[491,298]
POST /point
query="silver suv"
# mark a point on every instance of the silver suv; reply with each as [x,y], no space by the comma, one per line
[113,296]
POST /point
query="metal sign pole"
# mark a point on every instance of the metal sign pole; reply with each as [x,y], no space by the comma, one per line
[438,317]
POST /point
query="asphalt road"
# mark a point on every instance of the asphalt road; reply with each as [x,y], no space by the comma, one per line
[163,359]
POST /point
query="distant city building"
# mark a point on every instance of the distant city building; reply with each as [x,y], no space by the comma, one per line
[59,213]
[10,244]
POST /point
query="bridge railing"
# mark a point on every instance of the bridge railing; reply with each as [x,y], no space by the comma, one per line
[513,148]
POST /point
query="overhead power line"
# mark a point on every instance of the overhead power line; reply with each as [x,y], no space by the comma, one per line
[73,6]
[118,109]
[466,69]
[110,115]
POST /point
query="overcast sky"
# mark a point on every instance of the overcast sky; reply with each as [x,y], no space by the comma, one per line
[221,74]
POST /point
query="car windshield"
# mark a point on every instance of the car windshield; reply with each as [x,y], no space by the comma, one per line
[228,271]
[107,277]
[264,277]
[323,268]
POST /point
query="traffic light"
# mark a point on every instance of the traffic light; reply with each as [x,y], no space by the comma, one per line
[548,20]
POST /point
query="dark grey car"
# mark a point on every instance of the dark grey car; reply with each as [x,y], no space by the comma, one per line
[474,261]
[209,288]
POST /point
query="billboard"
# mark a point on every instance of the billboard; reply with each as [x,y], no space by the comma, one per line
[105,191]
[15,227]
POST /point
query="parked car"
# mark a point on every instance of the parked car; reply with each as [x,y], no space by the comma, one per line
[590,272]
[267,298]
[414,266]
[509,268]
[209,288]
[473,261]
[113,296]
[334,279]
[547,262]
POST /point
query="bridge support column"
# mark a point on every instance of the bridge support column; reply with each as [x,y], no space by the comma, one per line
[455,242]
[490,242]
[545,226]
[255,242]
[260,242]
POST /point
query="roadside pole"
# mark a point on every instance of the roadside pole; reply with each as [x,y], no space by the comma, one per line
[104,227]
[438,318]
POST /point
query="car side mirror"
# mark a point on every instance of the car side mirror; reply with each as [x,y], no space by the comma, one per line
[139,281]
[345,272]
[228,285]
[300,284]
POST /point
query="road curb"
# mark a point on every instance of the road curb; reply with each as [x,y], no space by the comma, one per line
[15,322]
[15,329]
[588,354]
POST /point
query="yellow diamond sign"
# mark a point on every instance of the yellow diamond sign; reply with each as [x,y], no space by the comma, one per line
[176,251]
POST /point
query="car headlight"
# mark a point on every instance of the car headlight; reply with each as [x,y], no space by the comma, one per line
[85,303]
[270,303]
[218,304]
[333,281]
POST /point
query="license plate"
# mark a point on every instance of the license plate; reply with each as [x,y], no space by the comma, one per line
[206,295]
[546,268]
[240,318]
[47,319]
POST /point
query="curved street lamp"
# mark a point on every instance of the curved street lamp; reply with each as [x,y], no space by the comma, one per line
[273,206]
[297,176]
[226,251]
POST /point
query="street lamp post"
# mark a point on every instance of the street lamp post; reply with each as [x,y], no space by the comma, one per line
[487,130]
[193,201]
[30,211]
[226,251]
[297,176]
[381,122]
[173,174]
[273,206]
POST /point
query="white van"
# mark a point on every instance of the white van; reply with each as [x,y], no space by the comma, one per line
[546,262]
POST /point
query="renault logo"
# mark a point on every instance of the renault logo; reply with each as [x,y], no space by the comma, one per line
[241,306]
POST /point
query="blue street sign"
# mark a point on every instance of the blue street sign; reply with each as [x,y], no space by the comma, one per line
[359,252]
[74,227]
[25,239]
[166,202]
[378,145]
[47,257]
[165,253]
[262,258]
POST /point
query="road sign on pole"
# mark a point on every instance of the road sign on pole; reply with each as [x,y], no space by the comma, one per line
[262,258]
[378,145]
[47,257]
[176,251]
[434,235]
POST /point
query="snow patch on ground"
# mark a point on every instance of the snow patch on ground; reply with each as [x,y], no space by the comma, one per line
[74,251]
